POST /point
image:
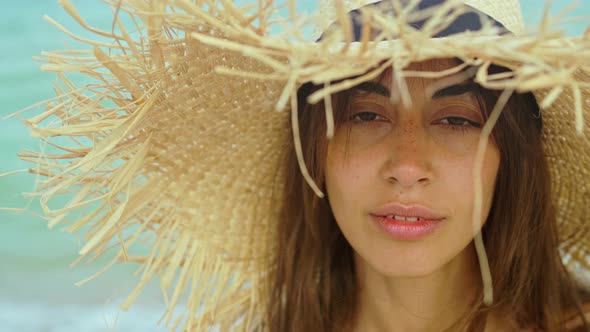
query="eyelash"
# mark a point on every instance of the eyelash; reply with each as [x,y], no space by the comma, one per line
[355,120]
[467,124]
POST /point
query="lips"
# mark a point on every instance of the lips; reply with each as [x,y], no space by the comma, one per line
[407,222]
[409,213]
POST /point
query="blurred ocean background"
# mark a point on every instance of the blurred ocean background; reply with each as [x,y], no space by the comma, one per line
[37,291]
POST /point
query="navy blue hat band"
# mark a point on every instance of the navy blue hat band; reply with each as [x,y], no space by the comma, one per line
[470,20]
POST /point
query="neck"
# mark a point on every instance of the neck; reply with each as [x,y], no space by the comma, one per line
[416,303]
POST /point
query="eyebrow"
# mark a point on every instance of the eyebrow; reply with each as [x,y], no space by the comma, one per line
[456,90]
[449,91]
[373,87]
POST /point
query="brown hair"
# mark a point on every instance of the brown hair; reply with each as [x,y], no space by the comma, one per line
[313,287]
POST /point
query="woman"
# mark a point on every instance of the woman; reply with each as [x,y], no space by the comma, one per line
[417,191]
[377,272]
[391,246]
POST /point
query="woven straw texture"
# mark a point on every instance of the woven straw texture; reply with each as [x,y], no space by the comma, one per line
[180,142]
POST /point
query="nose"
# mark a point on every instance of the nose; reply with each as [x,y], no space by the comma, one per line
[409,158]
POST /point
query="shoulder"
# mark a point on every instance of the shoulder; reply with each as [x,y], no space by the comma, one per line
[573,322]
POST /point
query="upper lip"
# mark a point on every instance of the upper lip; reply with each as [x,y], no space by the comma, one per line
[414,210]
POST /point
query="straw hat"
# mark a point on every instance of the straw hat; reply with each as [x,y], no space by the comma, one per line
[180,140]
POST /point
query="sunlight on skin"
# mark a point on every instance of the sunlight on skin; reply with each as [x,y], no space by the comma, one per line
[422,156]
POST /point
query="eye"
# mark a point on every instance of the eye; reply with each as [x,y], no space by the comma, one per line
[367,117]
[457,121]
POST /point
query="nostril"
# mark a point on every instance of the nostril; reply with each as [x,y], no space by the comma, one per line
[408,181]
[392,179]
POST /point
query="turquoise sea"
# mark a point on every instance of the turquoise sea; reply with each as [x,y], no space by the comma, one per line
[37,291]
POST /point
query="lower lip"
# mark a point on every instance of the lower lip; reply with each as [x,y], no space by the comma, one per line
[407,230]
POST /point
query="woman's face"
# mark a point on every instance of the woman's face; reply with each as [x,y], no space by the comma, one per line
[400,181]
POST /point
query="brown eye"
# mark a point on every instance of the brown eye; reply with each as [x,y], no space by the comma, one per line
[366,117]
[459,122]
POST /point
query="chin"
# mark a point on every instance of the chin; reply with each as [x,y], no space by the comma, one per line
[404,262]
[401,268]
[408,271]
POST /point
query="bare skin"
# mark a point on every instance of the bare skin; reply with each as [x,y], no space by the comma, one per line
[418,156]
[425,303]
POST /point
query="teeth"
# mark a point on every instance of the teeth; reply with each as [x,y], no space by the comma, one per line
[400,218]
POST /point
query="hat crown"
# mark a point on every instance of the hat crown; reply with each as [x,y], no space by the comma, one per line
[507,12]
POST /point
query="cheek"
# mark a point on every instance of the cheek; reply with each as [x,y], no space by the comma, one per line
[462,183]
[343,175]
[347,176]
[489,172]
